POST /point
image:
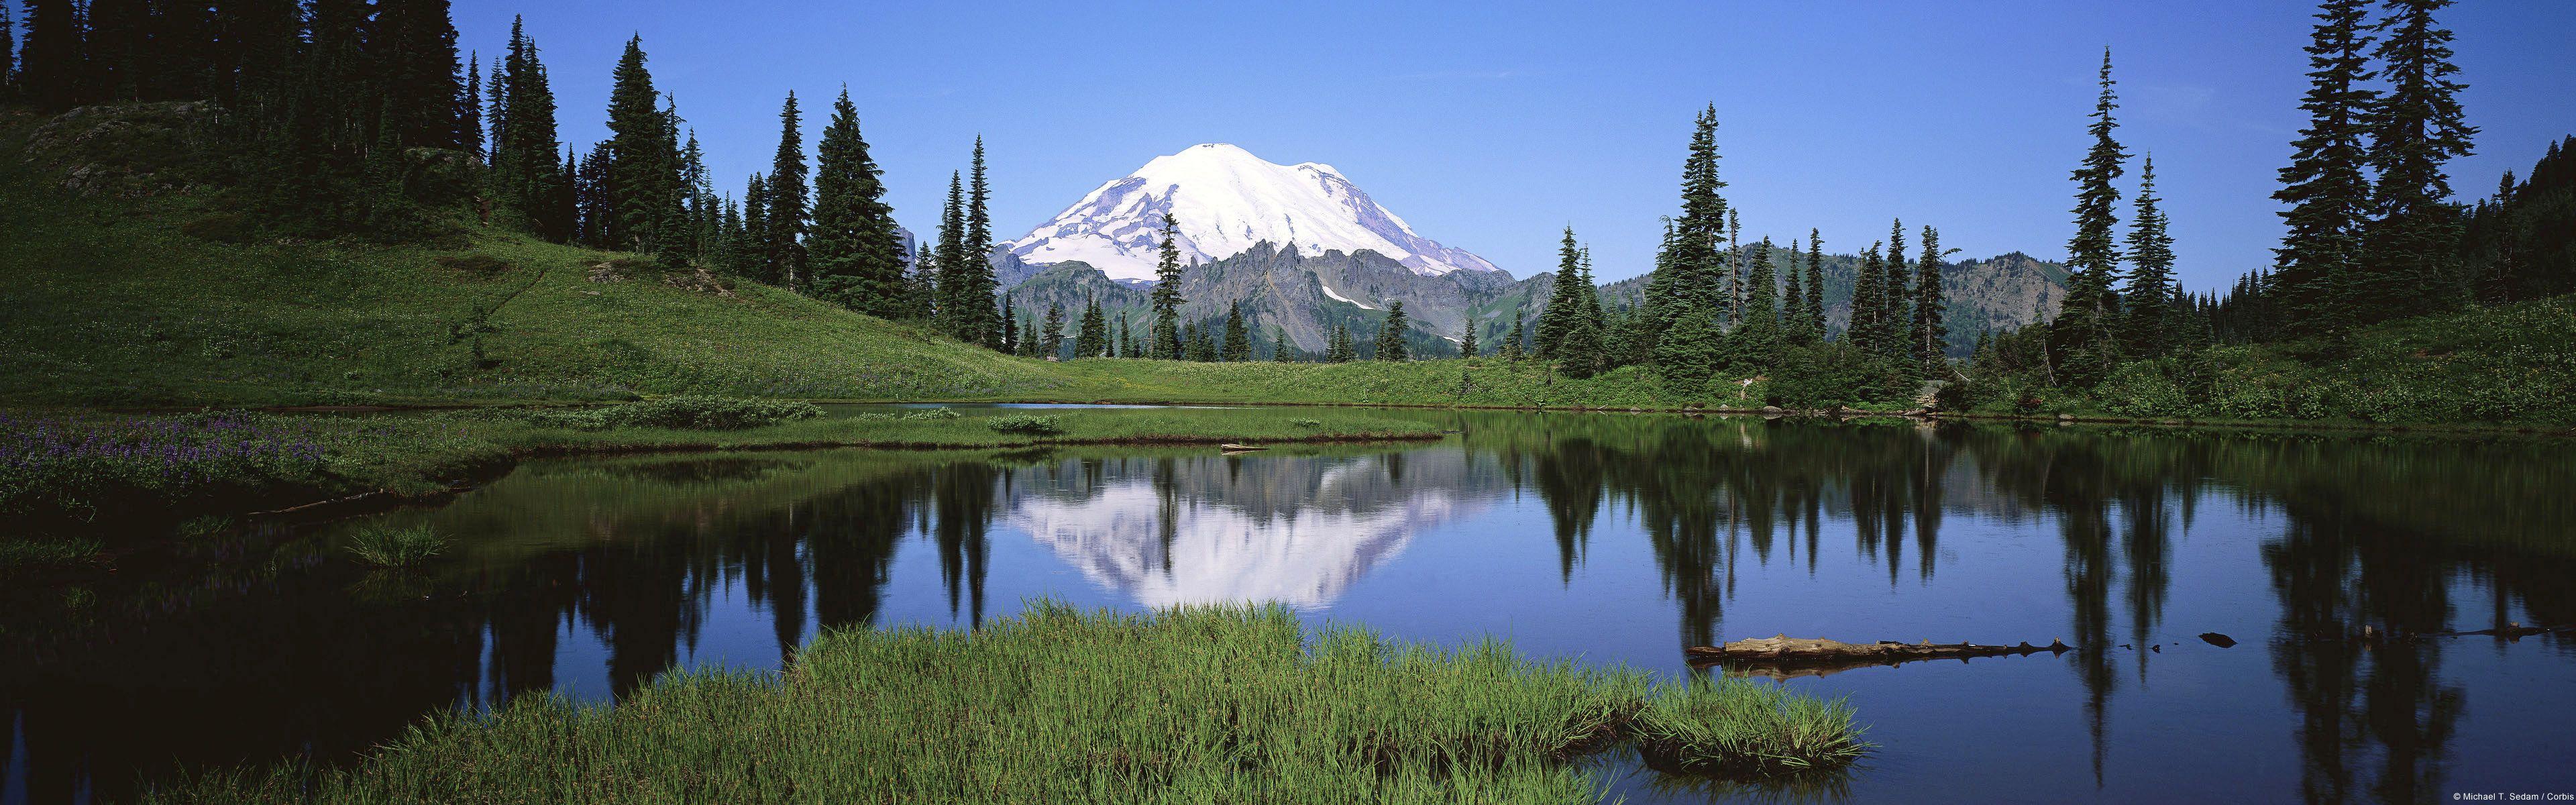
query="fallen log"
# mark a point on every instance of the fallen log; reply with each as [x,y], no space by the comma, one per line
[1239,448]
[1785,656]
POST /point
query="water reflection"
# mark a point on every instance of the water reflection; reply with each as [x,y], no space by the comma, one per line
[589,577]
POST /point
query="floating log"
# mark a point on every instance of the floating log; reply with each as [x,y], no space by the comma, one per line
[1238,448]
[2219,640]
[1785,656]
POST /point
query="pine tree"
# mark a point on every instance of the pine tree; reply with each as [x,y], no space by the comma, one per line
[1238,339]
[2329,196]
[1513,342]
[979,222]
[1731,295]
[2415,127]
[1467,337]
[788,216]
[1280,350]
[1167,295]
[751,254]
[1091,336]
[1929,336]
[959,309]
[2149,321]
[1126,338]
[412,53]
[2083,339]
[1689,274]
[1051,344]
[856,255]
[526,173]
[8,54]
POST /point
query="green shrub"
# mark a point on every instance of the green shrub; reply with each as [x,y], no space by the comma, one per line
[1033,425]
[387,546]
[685,412]
[941,412]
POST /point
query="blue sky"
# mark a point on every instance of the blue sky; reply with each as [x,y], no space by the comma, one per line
[1491,126]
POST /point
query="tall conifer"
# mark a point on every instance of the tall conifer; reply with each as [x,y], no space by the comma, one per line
[854,249]
[1167,295]
[2150,319]
[1928,337]
[1815,285]
[1238,338]
[788,215]
[2084,340]
[1390,334]
[2329,195]
[2415,127]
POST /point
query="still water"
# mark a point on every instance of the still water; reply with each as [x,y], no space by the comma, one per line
[1616,538]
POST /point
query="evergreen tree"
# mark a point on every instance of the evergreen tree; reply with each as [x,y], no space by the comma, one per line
[751,255]
[1126,338]
[1689,274]
[2150,321]
[1167,295]
[1929,337]
[50,67]
[1868,301]
[1238,339]
[2083,340]
[592,208]
[1757,337]
[1897,293]
[1560,312]
[117,50]
[1201,343]
[1390,334]
[642,186]
[856,255]
[958,306]
[1051,344]
[2329,196]
[412,62]
[1732,283]
[1513,342]
[1009,343]
[2415,127]
[1815,286]
[525,172]
[1091,336]
[784,261]
[979,223]
[8,54]
[469,114]
[1280,350]
[1467,337]
[1793,301]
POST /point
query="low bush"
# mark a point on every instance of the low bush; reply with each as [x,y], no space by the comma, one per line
[686,412]
[1033,425]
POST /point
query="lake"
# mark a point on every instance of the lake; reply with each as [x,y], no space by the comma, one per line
[1616,538]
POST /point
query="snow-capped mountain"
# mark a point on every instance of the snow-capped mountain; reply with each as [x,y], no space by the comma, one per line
[1224,200]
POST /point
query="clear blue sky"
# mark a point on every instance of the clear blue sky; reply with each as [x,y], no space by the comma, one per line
[1490,126]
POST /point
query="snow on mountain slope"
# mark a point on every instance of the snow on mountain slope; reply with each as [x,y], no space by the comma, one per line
[1224,200]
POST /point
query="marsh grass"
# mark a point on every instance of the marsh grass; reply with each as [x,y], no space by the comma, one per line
[385,545]
[1740,729]
[1199,704]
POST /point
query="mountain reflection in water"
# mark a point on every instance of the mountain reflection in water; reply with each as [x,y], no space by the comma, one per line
[1616,538]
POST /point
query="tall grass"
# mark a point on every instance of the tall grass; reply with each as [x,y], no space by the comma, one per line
[1205,704]
[390,546]
[1743,729]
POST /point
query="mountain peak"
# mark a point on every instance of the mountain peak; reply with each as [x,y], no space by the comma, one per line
[1225,200]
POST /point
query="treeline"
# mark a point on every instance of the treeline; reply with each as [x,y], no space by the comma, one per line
[2373,236]
[351,117]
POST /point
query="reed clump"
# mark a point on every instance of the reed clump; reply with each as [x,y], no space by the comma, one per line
[395,546]
[1198,704]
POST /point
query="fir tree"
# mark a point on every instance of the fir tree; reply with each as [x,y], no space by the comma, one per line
[525,171]
[1009,343]
[1051,344]
[412,60]
[1868,301]
[2329,196]
[1689,274]
[2415,127]
[2083,339]
[751,255]
[1757,337]
[1238,339]
[1091,336]
[1929,337]
[1390,334]
[1126,338]
[642,173]
[1280,350]
[856,255]
[971,262]
[8,54]
[2149,321]
[1560,312]
[50,67]
[1896,293]
[469,114]
[787,218]
[1167,295]
[1467,337]
[958,306]
[1513,349]
[1815,286]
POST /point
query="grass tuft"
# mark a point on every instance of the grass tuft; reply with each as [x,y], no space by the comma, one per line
[388,546]
[1743,729]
